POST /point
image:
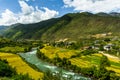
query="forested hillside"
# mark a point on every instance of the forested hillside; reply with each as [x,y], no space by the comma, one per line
[72,26]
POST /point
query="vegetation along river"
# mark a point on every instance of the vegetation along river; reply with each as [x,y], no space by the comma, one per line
[44,66]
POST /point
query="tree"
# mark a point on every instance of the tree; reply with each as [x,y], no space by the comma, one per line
[6,70]
[104,62]
[103,73]
[22,77]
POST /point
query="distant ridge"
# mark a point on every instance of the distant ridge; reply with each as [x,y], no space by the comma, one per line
[2,29]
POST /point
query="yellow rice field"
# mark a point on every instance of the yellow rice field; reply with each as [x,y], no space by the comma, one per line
[52,52]
[117,71]
[82,61]
[90,60]
[49,51]
[66,54]
[21,66]
[12,49]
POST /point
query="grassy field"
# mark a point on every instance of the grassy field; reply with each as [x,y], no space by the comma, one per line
[21,67]
[80,61]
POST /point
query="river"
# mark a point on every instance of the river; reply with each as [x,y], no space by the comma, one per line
[44,66]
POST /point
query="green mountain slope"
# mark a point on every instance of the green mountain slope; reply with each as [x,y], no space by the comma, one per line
[2,29]
[73,26]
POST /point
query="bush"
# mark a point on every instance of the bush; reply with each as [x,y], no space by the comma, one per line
[22,77]
[6,70]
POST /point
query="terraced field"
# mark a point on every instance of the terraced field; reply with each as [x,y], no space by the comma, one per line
[86,61]
[21,67]
[80,61]
[94,59]
[52,52]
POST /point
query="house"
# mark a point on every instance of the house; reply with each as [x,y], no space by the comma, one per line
[108,47]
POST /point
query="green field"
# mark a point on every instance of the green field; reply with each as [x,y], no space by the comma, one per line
[84,61]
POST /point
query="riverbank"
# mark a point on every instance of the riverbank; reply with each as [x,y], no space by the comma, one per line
[86,62]
[44,66]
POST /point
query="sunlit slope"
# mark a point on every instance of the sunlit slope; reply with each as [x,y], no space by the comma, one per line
[21,67]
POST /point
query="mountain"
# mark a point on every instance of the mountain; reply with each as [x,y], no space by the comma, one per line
[2,29]
[102,14]
[73,26]
[115,14]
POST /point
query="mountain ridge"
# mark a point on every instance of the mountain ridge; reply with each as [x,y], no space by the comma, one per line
[73,26]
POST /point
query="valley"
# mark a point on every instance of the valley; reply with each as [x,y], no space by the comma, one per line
[76,46]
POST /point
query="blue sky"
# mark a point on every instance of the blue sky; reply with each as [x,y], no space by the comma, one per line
[56,5]
[33,11]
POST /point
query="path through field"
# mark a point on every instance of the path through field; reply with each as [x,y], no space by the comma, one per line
[111,56]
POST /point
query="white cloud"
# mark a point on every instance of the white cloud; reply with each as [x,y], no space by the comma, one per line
[28,14]
[26,9]
[8,17]
[94,6]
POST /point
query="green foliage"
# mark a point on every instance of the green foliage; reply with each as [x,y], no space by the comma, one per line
[22,77]
[88,52]
[49,76]
[11,46]
[104,62]
[6,70]
[95,72]
[107,40]
[2,29]
[73,26]
[103,73]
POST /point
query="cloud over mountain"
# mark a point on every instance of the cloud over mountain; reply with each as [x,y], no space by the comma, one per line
[28,14]
[94,6]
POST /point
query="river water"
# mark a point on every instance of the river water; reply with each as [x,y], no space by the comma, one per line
[44,66]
